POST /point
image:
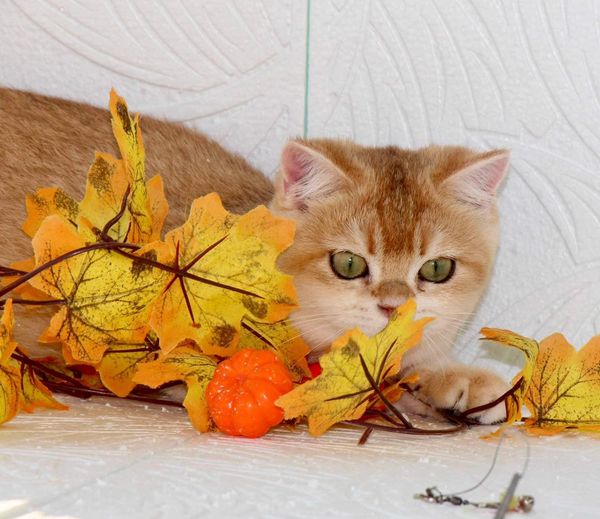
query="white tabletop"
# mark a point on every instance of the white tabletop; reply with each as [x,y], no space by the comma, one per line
[112,458]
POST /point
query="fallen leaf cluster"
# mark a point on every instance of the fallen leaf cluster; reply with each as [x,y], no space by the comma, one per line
[205,306]
[134,308]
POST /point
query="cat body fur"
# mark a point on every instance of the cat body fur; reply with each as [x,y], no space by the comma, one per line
[397,208]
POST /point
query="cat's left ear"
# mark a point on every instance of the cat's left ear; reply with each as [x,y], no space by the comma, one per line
[305,176]
[477,183]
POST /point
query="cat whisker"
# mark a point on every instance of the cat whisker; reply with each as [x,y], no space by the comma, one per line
[306,332]
[439,352]
[328,340]
[321,314]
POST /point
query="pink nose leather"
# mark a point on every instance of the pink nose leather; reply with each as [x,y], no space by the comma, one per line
[386,310]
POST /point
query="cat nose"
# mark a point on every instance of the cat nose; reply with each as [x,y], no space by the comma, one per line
[386,310]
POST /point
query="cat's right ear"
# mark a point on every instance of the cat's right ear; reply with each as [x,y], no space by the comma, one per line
[305,175]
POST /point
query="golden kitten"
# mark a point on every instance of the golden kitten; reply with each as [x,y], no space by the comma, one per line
[375,226]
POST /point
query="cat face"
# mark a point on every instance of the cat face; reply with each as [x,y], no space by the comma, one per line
[376,226]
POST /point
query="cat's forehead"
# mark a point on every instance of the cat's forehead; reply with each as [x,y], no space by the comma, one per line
[393,205]
[375,229]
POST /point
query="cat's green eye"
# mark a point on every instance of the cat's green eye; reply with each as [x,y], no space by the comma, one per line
[348,265]
[437,270]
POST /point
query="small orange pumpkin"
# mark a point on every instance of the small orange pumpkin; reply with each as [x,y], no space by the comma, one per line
[242,393]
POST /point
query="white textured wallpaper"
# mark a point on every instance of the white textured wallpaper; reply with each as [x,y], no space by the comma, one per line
[522,75]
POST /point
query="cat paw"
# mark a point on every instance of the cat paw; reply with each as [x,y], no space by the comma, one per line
[459,388]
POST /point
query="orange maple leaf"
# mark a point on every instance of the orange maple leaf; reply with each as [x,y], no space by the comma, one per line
[34,393]
[121,363]
[187,363]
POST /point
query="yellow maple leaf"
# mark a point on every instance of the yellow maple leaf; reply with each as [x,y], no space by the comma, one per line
[530,349]
[9,392]
[283,339]
[230,264]
[7,323]
[187,363]
[107,297]
[565,387]
[342,390]
[107,183]
[106,187]
[10,376]
[147,204]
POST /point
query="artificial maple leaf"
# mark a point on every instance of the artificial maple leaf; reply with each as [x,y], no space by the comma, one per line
[343,389]
[565,387]
[83,374]
[187,363]
[146,204]
[121,363]
[107,297]
[107,185]
[45,202]
[25,291]
[229,262]
[109,180]
[9,392]
[283,339]
[35,394]
[9,373]
[19,386]
[530,349]
[7,323]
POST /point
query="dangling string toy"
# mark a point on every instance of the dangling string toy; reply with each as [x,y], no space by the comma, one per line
[509,502]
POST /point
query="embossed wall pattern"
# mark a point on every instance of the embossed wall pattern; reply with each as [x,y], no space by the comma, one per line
[521,75]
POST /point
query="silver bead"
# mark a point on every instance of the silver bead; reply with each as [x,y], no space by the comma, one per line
[525,503]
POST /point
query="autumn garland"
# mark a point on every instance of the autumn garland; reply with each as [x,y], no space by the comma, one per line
[136,312]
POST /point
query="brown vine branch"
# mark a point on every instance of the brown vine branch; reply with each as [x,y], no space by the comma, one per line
[32,302]
[141,349]
[187,275]
[258,335]
[380,394]
[118,247]
[149,346]
[365,436]
[405,430]
[493,403]
[71,254]
[42,368]
[61,388]
[108,226]
[9,272]
[72,386]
